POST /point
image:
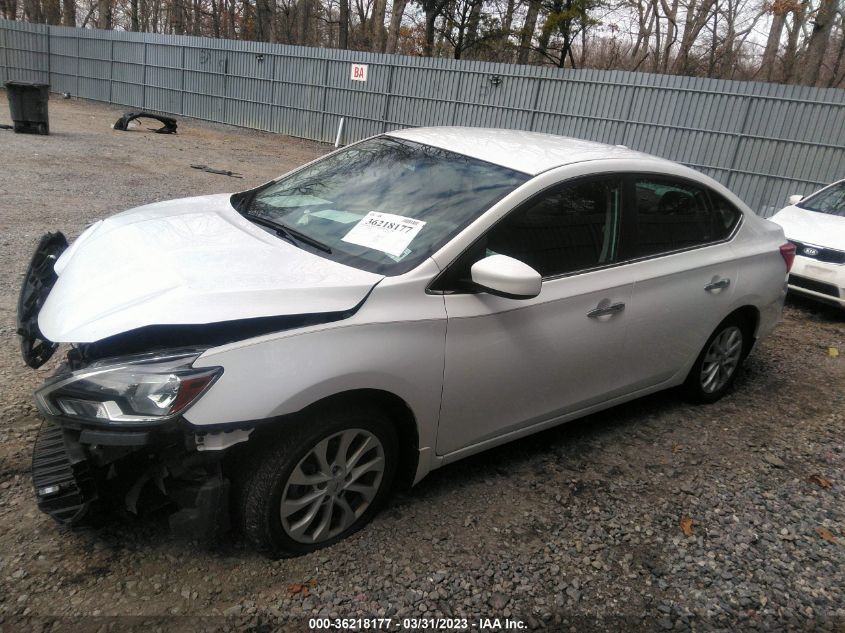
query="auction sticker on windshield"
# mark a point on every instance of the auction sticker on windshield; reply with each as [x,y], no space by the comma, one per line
[384,232]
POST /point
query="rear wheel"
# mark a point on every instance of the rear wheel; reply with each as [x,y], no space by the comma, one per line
[319,484]
[716,367]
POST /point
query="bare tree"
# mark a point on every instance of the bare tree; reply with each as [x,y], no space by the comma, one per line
[817,45]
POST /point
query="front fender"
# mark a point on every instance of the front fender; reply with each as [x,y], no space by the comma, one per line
[270,378]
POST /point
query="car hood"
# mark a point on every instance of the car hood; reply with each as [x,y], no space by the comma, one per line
[812,227]
[189,261]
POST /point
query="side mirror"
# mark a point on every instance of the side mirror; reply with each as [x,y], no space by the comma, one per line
[506,277]
[795,199]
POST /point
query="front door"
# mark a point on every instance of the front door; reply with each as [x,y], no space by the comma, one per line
[512,363]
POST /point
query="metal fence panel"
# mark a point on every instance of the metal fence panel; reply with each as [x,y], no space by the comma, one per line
[764,141]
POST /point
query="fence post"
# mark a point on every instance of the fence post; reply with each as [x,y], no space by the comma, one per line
[144,81]
[387,98]
[534,105]
[76,39]
[49,56]
[182,83]
[456,96]
[628,116]
[3,31]
[111,68]
[324,100]
[742,128]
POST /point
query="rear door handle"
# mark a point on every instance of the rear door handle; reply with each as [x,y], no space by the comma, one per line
[717,285]
[613,308]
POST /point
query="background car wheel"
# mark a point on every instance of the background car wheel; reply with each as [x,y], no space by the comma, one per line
[716,367]
[320,483]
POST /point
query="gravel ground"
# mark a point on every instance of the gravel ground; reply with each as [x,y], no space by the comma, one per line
[579,528]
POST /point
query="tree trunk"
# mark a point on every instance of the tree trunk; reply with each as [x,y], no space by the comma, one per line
[799,15]
[133,16]
[104,14]
[428,46]
[68,13]
[527,34]
[52,12]
[817,46]
[230,27]
[377,33]
[472,29]
[303,17]
[767,65]
[264,18]
[396,13]
[343,29]
[32,11]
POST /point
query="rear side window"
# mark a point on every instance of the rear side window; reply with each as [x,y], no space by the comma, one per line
[674,215]
[831,200]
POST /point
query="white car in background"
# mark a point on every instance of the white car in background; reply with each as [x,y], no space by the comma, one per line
[816,225]
[386,310]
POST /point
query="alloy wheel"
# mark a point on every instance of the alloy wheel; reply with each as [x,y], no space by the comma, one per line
[332,486]
[721,360]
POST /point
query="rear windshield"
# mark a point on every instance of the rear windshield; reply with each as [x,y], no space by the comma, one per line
[383,205]
[830,200]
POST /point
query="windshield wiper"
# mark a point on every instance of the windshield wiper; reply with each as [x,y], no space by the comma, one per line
[292,235]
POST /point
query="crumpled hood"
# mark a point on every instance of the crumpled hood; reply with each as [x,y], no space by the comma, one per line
[189,261]
[812,227]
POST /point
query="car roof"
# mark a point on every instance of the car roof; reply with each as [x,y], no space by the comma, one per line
[529,152]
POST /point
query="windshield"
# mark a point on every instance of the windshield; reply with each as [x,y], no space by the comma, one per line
[830,200]
[383,205]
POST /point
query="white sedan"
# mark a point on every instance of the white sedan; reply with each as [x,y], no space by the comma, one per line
[297,349]
[816,225]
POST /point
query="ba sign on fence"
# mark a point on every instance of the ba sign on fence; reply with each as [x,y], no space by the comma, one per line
[359,72]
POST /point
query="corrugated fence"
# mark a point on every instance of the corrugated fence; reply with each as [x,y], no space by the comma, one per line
[764,141]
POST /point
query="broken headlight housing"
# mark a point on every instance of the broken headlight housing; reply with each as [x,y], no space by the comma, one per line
[143,389]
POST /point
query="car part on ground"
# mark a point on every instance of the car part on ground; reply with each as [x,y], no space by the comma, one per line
[169,124]
[221,172]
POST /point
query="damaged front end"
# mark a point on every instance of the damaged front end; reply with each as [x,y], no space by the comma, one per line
[39,280]
[115,438]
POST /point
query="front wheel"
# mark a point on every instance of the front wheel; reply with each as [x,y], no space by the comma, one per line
[716,366]
[320,483]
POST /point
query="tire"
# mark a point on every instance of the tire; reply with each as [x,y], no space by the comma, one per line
[716,367]
[289,503]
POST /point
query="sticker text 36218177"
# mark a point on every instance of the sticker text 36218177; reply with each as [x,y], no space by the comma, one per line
[384,232]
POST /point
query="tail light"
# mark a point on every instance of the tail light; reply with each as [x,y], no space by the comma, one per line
[787,251]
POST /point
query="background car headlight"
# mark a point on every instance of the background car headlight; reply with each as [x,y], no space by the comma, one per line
[138,389]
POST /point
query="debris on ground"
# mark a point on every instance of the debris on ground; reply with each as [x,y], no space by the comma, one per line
[168,127]
[212,170]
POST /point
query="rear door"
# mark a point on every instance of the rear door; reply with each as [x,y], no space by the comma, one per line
[685,274]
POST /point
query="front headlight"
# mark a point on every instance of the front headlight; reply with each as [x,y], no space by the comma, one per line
[138,389]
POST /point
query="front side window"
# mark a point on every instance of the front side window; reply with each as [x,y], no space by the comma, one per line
[831,200]
[674,215]
[383,205]
[568,228]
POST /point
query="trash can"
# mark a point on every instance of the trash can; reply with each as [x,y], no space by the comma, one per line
[28,106]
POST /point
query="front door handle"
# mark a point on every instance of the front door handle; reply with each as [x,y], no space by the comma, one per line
[717,285]
[604,310]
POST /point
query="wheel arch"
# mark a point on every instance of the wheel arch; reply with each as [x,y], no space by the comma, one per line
[751,315]
[397,410]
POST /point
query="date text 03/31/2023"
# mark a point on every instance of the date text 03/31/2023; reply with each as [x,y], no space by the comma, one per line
[416,624]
